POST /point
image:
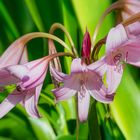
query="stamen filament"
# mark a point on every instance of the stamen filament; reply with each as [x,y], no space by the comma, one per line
[97,48]
[132,19]
[114,6]
[52,56]
[60,26]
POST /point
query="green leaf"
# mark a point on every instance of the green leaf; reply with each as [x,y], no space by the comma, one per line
[42,129]
[88,13]
[4,138]
[8,20]
[31,4]
[68,137]
[126,107]
[94,129]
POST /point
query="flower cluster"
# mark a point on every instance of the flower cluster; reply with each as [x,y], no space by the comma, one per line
[87,75]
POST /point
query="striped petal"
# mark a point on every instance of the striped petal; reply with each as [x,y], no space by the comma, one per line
[59,76]
[31,101]
[113,76]
[83,106]
[116,37]
[96,88]
[19,71]
[13,54]
[98,66]
[37,74]
[6,78]
[10,102]
[77,66]
[63,93]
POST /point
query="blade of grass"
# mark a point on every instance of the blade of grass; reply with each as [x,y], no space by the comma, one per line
[32,7]
[9,21]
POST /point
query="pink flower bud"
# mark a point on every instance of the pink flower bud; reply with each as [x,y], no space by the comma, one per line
[86,46]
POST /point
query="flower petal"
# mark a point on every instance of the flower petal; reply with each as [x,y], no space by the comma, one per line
[77,66]
[134,7]
[37,75]
[19,71]
[71,86]
[98,95]
[34,63]
[63,93]
[134,29]
[98,66]
[10,102]
[59,76]
[114,75]
[83,106]
[13,54]
[133,52]
[96,88]
[31,101]
[71,83]
[115,38]
[6,78]
[24,57]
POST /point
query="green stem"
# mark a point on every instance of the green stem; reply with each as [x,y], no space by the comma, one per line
[77,119]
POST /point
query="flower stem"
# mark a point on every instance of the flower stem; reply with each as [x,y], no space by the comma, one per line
[77,119]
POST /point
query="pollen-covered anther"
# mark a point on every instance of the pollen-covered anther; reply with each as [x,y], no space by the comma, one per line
[18,88]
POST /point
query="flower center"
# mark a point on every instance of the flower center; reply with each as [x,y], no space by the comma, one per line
[83,79]
[82,88]
[19,88]
[119,58]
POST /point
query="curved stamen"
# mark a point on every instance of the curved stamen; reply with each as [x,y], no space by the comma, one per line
[114,6]
[52,49]
[52,56]
[132,19]
[97,48]
[60,26]
[30,36]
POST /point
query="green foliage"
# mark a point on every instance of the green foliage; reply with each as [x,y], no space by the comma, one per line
[58,122]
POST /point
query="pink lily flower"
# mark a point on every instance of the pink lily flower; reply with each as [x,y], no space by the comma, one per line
[84,80]
[120,50]
[29,79]
[132,8]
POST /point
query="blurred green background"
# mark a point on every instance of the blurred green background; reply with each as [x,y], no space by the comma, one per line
[119,121]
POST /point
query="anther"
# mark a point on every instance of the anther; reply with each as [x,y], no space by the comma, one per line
[19,88]
[117,57]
